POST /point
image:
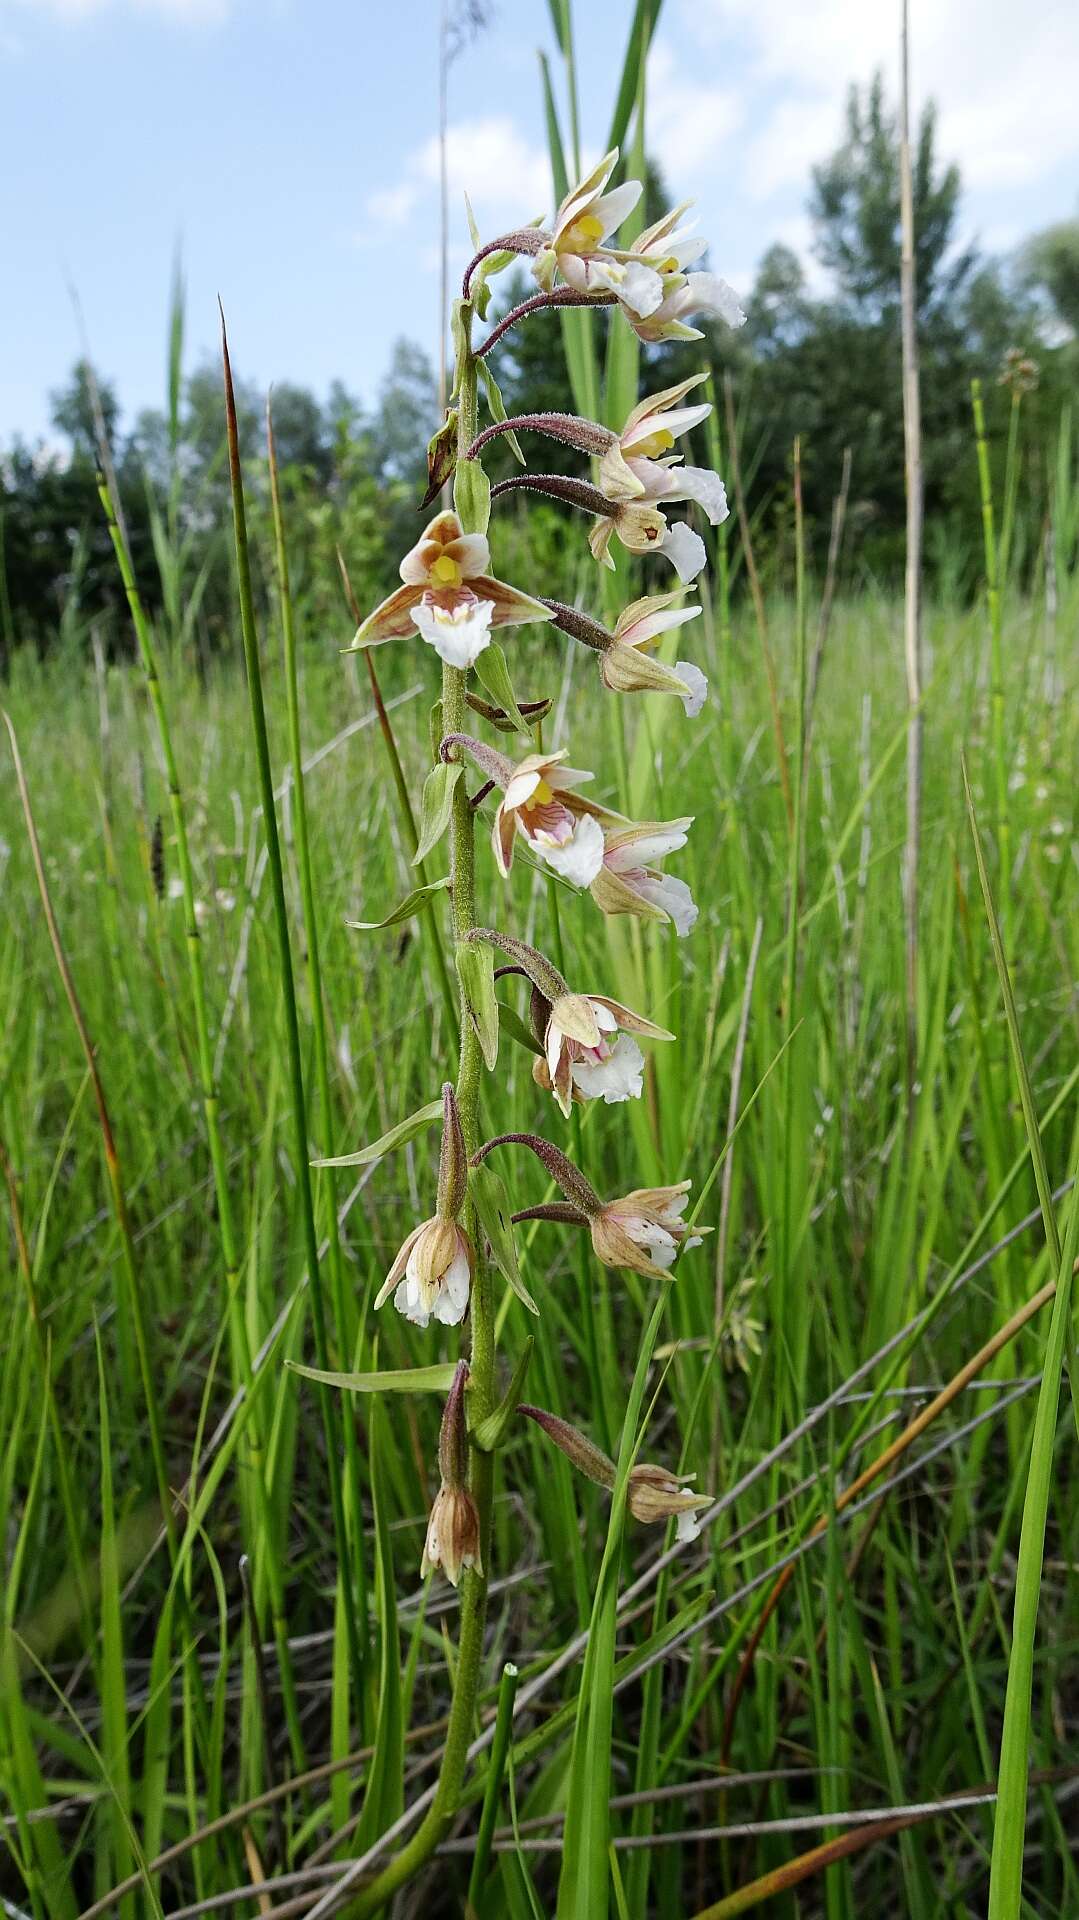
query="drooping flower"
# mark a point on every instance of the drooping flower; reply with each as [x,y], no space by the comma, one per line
[642,528]
[540,803]
[431,1275]
[644,1230]
[581,1057]
[448,596]
[576,247]
[639,465]
[630,880]
[654,1494]
[628,665]
[453,1530]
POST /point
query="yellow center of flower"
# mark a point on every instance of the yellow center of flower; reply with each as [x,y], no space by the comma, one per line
[542,794]
[446,571]
[653,444]
[583,235]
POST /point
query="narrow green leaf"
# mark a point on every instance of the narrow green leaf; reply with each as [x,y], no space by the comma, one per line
[433,1379]
[476,968]
[472,495]
[491,1432]
[494,1210]
[398,1136]
[415,902]
[511,1024]
[436,807]
[497,407]
[641,30]
[493,671]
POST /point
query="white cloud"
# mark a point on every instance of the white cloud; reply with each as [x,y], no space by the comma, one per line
[507,179]
[1005,86]
[690,122]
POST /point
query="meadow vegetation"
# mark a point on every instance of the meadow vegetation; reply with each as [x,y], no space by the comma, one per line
[233,1706]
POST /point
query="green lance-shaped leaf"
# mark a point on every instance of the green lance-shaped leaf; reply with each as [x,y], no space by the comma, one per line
[476,968]
[491,1432]
[498,408]
[493,671]
[398,1136]
[514,1027]
[433,1379]
[472,496]
[436,807]
[415,902]
[493,1207]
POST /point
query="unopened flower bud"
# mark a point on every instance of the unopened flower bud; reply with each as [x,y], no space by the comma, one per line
[581,1452]
[441,457]
[453,1530]
[453,1158]
[453,1534]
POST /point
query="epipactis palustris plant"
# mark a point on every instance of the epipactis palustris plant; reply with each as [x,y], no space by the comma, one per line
[586,1042]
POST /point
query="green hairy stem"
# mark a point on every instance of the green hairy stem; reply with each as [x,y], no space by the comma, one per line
[474,1583]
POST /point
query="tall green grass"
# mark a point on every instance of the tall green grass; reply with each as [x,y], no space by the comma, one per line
[840,1231]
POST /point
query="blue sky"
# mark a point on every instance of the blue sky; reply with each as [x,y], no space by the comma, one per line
[289,146]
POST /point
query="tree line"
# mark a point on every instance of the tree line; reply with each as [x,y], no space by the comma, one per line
[821,362]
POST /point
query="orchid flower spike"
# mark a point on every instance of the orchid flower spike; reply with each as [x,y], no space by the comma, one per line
[582,1059]
[540,804]
[453,1530]
[628,666]
[449,597]
[654,1494]
[630,880]
[431,1276]
[639,465]
[644,1230]
[576,249]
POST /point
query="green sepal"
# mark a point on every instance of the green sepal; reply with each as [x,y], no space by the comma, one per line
[493,1208]
[497,408]
[435,1379]
[490,1433]
[493,671]
[436,807]
[476,972]
[398,1136]
[415,902]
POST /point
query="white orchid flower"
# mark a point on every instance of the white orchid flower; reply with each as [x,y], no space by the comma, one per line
[540,803]
[630,880]
[577,247]
[703,293]
[449,597]
[643,528]
[581,1058]
[644,1230]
